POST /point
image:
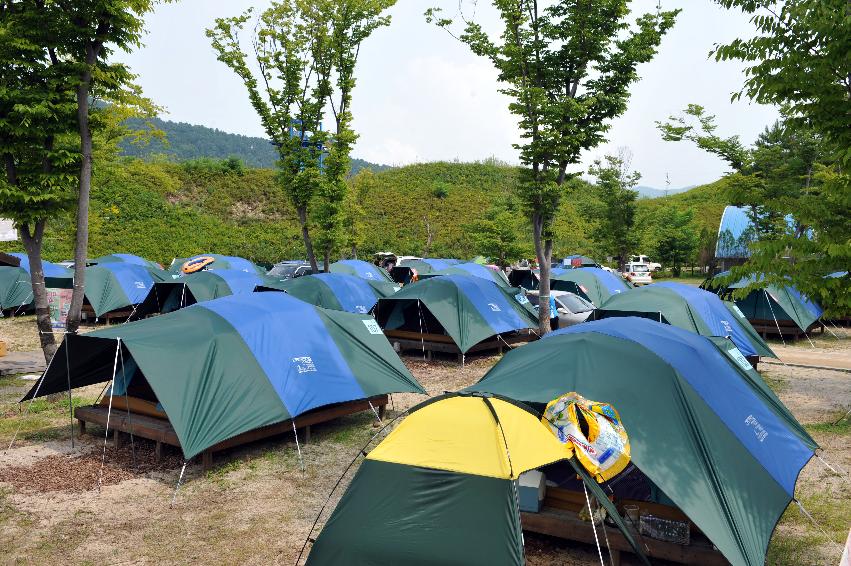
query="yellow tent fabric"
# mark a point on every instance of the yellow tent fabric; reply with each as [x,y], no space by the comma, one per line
[460,434]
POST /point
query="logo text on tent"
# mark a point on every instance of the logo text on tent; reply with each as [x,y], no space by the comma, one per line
[361,309]
[758,429]
[727,327]
[521,298]
[494,307]
[304,364]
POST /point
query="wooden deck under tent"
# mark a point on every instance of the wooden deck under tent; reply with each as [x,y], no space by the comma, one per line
[405,340]
[145,421]
[787,329]
[559,518]
[88,316]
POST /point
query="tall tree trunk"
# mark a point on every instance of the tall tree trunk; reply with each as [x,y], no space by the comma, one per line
[81,247]
[32,243]
[326,260]
[354,251]
[544,253]
[305,234]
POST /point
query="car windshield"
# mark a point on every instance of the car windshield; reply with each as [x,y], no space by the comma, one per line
[575,304]
[284,270]
[640,268]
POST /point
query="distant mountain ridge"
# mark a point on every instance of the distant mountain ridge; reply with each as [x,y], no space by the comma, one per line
[191,141]
[652,192]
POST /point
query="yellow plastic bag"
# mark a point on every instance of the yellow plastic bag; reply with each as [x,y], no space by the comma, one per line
[592,431]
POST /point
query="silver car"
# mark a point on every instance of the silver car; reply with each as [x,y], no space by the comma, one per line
[572,309]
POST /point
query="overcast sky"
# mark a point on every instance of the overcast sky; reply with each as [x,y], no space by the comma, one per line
[422,96]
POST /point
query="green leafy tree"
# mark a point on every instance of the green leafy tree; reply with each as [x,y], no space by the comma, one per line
[800,60]
[306,52]
[83,39]
[354,220]
[349,23]
[768,177]
[37,145]
[616,209]
[567,68]
[677,239]
[497,234]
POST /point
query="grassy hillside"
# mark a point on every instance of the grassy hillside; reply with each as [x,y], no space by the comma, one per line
[166,210]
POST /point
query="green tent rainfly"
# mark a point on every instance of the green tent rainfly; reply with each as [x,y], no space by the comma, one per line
[15,281]
[591,283]
[689,308]
[177,292]
[768,306]
[467,309]
[234,364]
[336,291]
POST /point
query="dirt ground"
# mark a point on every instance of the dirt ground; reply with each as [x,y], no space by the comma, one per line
[257,506]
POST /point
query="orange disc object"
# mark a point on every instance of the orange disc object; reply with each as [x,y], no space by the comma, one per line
[197,264]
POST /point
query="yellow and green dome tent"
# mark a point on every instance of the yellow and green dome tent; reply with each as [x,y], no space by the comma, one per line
[442,487]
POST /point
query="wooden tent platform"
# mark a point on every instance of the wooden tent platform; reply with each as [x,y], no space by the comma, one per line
[160,430]
[559,518]
[787,329]
[403,340]
[89,317]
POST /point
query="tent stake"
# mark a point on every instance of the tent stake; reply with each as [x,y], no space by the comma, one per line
[177,487]
[374,411]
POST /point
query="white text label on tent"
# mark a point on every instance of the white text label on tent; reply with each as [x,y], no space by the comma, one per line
[372,326]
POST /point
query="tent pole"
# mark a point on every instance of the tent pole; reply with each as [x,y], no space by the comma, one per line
[298,447]
[422,336]
[109,412]
[70,402]
[777,324]
[361,452]
[127,403]
[593,526]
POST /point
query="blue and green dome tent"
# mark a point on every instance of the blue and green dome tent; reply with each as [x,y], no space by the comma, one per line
[335,291]
[689,308]
[427,265]
[474,270]
[231,365]
[16,282]
[362,269]
[591,283]
[219,262]
[116,286]
[125,258]
[703,425]
[467,309]
[768,305]
[185,290]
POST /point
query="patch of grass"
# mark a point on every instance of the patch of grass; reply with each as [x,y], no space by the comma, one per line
[839,424]
[40,420]
[792,550]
